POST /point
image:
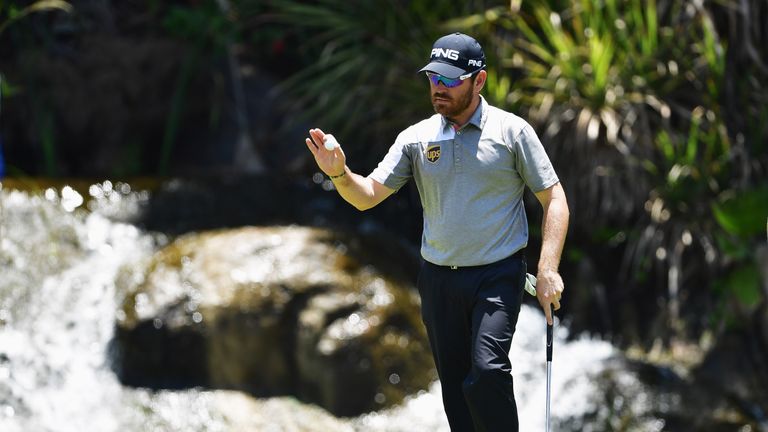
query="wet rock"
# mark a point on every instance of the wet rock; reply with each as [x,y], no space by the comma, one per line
[736,365]
[274,311]
[632,395]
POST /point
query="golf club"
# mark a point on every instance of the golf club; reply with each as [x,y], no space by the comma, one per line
[530,287]
[549,359]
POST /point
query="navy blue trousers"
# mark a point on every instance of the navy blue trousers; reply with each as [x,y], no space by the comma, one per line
[470,314]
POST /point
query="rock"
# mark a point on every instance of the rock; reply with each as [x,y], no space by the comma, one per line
[274,311]
[736,365]
[632,395]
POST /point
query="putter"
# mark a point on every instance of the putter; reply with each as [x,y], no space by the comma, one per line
[530,287]
[549,359]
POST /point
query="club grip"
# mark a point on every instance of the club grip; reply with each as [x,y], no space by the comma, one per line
[550,335]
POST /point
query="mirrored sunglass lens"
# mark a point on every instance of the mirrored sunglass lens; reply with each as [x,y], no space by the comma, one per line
[448,82]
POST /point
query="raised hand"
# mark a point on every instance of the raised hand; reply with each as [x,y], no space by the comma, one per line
[331,162]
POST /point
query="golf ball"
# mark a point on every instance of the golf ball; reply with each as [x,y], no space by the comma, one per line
[330,142]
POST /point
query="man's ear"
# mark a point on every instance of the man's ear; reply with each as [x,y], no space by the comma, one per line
[480,80]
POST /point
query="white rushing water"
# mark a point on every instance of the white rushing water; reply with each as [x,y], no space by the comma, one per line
[573,364]
[57,313]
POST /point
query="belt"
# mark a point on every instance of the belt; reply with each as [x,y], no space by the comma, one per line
[519,254]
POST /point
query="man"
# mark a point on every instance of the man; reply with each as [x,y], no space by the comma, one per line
[471,163]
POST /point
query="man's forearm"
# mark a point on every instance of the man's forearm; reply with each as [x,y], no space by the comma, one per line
[356,189]
[554,229]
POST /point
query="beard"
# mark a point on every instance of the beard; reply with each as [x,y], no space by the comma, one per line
[450,107]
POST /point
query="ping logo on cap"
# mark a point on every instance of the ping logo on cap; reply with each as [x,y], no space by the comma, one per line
[455,55]
[433,153]
[451,54]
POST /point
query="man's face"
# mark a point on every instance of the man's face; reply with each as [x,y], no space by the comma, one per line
[451,102]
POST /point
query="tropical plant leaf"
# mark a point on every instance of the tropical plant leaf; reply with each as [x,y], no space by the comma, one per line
[744,214]
[38,6]
[744,283]
[43,5]
[359,80]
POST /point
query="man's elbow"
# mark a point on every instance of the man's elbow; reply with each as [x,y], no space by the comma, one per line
[363,206]
[565,212]
[563,201]
[562,204]
[556,204]
[374,194]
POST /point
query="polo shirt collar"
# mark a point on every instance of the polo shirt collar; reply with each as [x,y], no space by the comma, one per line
[478,117]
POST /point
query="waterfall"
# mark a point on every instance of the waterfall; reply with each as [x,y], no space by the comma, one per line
[61,253]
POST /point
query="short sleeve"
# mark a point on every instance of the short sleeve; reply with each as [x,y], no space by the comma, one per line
[396,168]
[533,164]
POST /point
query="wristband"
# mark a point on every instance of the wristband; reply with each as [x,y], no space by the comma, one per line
[343,173]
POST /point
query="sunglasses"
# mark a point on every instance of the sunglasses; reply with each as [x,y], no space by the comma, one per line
[436,79]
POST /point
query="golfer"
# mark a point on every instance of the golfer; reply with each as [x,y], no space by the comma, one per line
[471,163]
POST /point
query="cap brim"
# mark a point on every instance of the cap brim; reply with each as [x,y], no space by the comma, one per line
[443,69]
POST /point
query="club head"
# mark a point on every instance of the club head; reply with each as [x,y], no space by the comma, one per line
[530,284]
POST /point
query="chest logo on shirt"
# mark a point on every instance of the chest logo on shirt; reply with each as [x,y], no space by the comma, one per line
[433,153]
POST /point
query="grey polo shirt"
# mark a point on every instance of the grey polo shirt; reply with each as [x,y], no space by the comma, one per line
[471,183]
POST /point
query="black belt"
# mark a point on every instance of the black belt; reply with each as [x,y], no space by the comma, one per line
[519,254]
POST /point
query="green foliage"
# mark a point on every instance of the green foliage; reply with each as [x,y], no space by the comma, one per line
[696,165]
[734,249]
[739,290]
[744,214]
[360,61]
[14,13]
[173,122]
[599,79]
[205,25]
[8,89]
[630,98]
[209,31]
[10,14]
[654,112]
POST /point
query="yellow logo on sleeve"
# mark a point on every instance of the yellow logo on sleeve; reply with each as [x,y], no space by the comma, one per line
[433,153]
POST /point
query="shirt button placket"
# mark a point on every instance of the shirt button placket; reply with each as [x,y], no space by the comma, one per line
[457,151]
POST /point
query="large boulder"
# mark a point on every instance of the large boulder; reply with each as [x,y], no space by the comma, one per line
[275,311]
[639,395]
[736,364]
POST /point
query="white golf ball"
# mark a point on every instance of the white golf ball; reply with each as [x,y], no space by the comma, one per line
[330,142]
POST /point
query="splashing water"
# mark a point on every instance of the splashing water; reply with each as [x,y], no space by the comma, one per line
[57,302]
[570,382]
[57,313]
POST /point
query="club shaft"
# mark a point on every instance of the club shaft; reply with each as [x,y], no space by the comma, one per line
[549,384]
[550,337]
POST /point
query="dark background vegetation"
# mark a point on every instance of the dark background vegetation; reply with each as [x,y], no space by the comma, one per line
[655,114]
